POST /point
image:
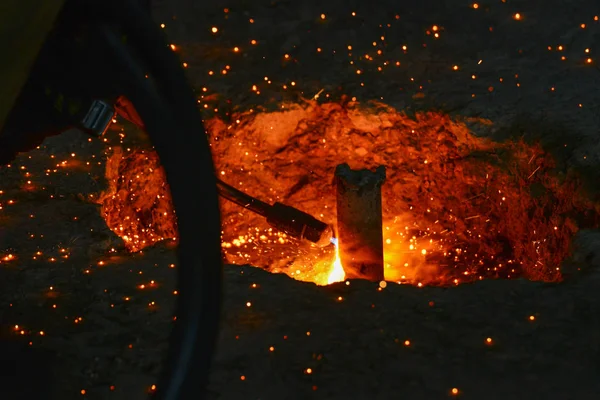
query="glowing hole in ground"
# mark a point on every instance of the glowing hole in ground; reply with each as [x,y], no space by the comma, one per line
[456,207]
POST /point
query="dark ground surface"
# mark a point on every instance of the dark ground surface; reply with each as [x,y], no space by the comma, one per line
[108,335]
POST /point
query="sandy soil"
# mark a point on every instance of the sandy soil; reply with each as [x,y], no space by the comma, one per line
[297,340]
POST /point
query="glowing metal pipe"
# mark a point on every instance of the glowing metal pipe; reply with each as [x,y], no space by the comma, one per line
[359,222]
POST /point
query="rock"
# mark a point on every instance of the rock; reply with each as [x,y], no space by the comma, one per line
[361,151]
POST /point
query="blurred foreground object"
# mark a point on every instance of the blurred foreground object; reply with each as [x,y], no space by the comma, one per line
[68,67]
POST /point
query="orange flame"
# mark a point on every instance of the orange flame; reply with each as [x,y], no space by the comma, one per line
[337,273]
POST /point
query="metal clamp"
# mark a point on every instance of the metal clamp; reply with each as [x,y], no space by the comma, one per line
[98,118]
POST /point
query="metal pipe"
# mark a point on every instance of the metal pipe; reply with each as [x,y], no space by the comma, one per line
[359,222]
[285,218]
[242,199]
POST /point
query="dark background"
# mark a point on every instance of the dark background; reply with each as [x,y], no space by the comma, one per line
[105,331]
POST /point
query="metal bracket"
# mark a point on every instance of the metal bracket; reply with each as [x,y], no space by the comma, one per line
[98,118]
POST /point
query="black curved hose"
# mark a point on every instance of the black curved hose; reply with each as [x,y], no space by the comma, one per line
[166,104]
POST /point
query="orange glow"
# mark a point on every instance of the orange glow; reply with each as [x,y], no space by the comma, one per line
[454,210]
[337,271]
[137,173]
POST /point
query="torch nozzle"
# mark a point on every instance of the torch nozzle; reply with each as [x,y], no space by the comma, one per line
[285,218]
[299,224]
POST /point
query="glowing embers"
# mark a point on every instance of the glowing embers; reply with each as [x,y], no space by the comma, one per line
[137,204]
[456,208]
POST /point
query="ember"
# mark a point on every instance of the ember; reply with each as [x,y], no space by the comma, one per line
[137,205]
[456,207]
